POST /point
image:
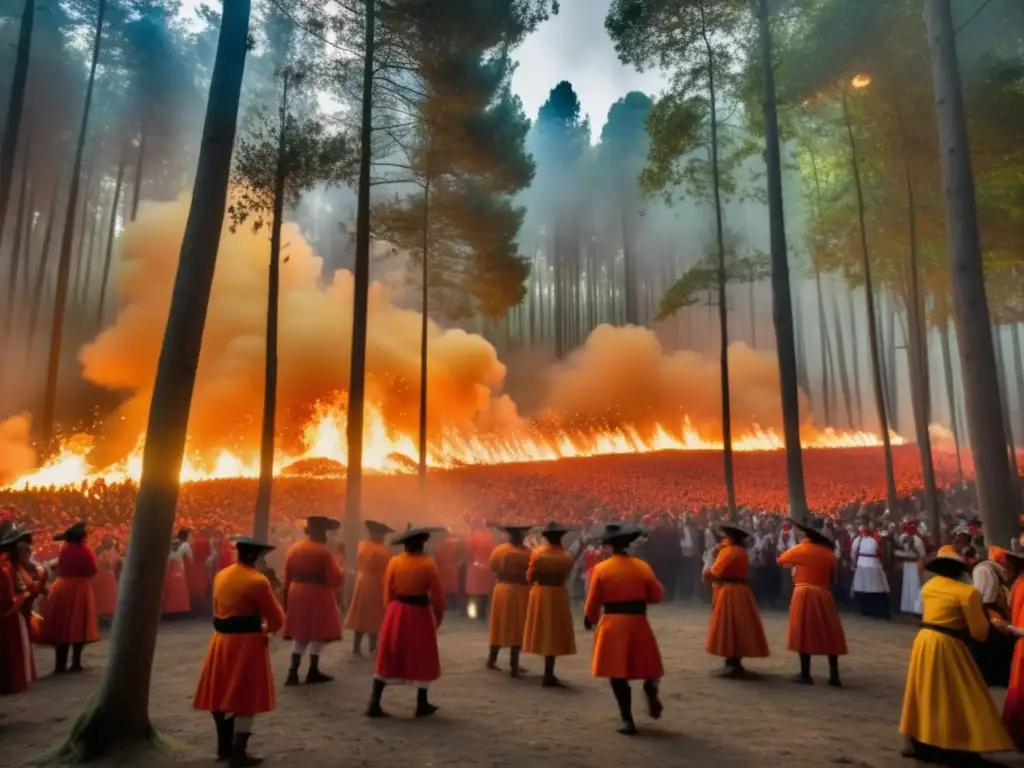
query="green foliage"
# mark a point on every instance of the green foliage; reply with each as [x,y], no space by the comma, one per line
[701,280]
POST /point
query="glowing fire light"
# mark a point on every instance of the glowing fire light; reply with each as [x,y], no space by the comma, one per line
[861,81]
[386,451]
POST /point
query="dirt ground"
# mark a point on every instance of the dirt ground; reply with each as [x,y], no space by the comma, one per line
[488,719]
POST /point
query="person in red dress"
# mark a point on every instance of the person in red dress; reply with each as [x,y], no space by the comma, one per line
[17,663]
[70,620]
[176,600]
[312,578]
[237,683]
[407,650]
[447,555]
[479,579]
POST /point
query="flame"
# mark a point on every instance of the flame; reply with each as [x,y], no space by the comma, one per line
[386,451]
[861,81]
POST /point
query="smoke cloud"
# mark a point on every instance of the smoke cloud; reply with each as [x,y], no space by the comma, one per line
[16,455]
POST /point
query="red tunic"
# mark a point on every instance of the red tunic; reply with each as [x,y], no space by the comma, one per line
[311,579]
[407,651]
[366,611]
[447,556]
[70,614]
[17,665]
[1013,706]
[479,579]
[176,594]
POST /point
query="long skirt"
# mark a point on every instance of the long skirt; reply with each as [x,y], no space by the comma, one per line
[508,615]
[312,614]
[366,611]
[70,613]
[946,703]
[407,646]
[1013,705]
[625,647]
[549,629]
[735,630]
[814,625]
[236,676]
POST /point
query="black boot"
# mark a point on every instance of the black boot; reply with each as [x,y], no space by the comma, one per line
[76,657]
[492,657]
[624,698]
[240,757]
[654,707]
[734,669]
[374,710]
[315,675]
[225,735]
[513,657]
[423,707]
[833,672]
[804,678]
[293,671]
[61,666]
[550,681]
[357,644]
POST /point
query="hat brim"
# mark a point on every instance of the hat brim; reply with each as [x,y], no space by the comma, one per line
[943,565]
[379,528]
[253,545]
[323,523]
[413,534]
[734,532]
[814,535]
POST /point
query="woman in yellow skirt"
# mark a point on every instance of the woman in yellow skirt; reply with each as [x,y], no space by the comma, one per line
[509,563]
[948,715]
[549,631]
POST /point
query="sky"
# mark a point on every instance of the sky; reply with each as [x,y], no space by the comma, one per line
[574,46]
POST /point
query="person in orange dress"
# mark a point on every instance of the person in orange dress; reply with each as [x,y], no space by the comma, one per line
[509,563]
[104,583]
[479,579]
[30,579]
[237,683]
[1013,704]
[366,611]
[408,636]
[549,628]
[625,648]
[17,663]
[69,620]
[735,631]
[814,625]
[447,555]
[312,578]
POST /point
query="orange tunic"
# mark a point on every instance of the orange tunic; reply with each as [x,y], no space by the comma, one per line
[366,612]
[735,630]
[407,650]
[509,565]
[479,580]
[311,578]
[1013,705]
[236,674]
[549,629]
[814,625]
[446,554]
[624,645]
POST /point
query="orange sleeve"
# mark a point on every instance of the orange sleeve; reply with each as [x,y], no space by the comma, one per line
[722,562]
[389,580]
[531,571]
[595,598]
[289,567]
[270,609]
[655,591]
[436,592]
[335,576]
[496,560]
[790,556]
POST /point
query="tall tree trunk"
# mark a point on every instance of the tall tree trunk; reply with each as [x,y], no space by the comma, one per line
[1018,377]
[84,230]
[782,306]
[801,349]
[119,710]
[723,310]
[869,295]
[628,266]
[15,108]
[424,325]
[360,306]
[64,264]
[1004,400]
[997,490]
[19,232]
[139,165]
[823,333]
[268,428]
[111,230]
[36,300]
[844,374]
[858,392]
[890,371]
[947,369]
[558,287]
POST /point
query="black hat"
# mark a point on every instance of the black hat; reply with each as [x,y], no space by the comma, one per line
[412,534]
[814,535]
[554,530]
[243,543]
[318,523]
[378,529]
[511,528]
[734,532]
[75,533]
[13,537]
[950,566]
[624,533]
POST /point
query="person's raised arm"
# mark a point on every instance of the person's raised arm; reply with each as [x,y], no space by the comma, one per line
[270,609]
[654,592]
[974,613]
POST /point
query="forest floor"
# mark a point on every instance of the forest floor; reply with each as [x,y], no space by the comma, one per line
[488,719]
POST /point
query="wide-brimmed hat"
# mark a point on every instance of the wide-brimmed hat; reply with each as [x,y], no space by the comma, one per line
[377,528]
[14,536]
[511,528]
[623,533]
[814,535]
[734,532]
[75,532]
[555,529]
[319,523]
[950,566]
[411,534]
[248,543]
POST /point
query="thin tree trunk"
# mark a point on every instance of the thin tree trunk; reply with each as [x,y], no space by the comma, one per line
[855,360]
[1004,402]
[268,428]
[1018,376]
[64,265]
[997,490]
[947,369]
[844,374]
[823,333]
[782,306]
[36,301]
[360,302]
[119,710]
[869,295]
[751,308]
[139,165]
[19,232]
[15,108]
[111,230]
[95,220]
[424,324]
[892,393]
[628,266]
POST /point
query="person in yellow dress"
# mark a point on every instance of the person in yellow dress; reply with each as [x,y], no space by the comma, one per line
[509,564]
[948,715]
[549,630]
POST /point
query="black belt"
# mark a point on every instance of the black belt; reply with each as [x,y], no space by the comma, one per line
[521,582]
[420,601]
[962,635]
[550,581]
[626,608]
[309,578]
[727,580]
[238,625]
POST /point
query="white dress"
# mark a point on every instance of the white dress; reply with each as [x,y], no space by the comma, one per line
[910,597]
[868,574]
